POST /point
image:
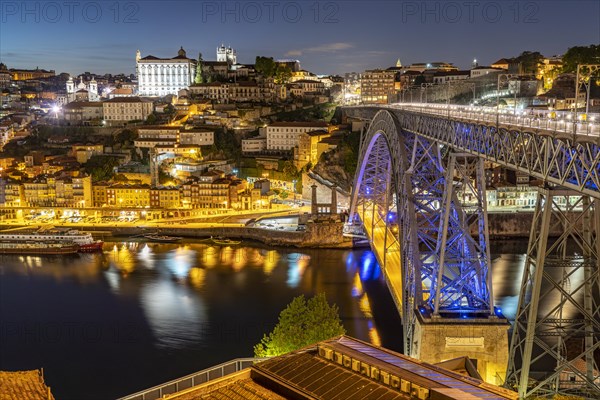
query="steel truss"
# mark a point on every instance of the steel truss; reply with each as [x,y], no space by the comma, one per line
[402,171]
[463,261]
[558,301]
[569,161]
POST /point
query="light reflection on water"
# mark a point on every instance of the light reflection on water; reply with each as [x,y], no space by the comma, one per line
[193,305]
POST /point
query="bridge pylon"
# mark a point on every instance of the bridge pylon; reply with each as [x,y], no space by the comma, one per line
[557,326]
[458,317]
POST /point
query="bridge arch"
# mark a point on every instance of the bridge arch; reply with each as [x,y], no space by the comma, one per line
[416,225]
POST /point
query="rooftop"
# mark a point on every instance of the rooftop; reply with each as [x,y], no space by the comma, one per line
[24,385]
[128,100]
[310,124]
[344,368]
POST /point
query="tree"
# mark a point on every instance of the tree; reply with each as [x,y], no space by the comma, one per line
[290,171]
[265,66]
[580,55]
[199,78]
[300,324]
[419,80]
[529,61]
[283,73]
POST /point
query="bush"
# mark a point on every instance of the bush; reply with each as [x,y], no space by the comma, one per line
[301,323]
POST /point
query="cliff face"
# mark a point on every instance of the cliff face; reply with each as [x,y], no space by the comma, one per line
[338,165]
[334,173]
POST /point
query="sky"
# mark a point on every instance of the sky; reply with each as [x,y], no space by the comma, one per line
[328,37]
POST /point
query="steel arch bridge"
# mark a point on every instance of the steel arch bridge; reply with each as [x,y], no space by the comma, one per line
[419,193]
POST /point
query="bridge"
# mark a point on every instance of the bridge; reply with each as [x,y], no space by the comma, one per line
[419,193]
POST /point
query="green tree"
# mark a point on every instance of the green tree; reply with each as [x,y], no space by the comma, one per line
[283,73]
[199,78]
[265,66]
[580,55]
[529,61]
[290,171]
[126,137]
[419,80]
[300,324]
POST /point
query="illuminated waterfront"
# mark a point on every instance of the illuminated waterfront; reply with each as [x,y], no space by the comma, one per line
[107,325]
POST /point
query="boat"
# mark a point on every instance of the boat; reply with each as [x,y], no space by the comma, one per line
[162,238]
[224,241]
[39,248]
[84,240]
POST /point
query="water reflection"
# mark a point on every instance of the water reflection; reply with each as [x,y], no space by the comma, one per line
[175,314]
[194,305]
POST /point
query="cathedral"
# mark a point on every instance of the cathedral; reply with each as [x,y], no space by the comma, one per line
[226,54]
[159,77]
[83,92]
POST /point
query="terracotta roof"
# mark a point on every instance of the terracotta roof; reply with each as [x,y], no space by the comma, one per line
[81,104]
[122,91]
[317,124]
[127,100]
[23,385]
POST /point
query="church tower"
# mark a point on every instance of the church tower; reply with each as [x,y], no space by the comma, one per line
[93,91]
[221,53]
[70,90]
[398,64]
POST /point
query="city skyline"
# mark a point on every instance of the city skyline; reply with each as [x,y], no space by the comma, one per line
[325,36]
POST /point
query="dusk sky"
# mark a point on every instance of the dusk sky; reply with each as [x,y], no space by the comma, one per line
[343,36]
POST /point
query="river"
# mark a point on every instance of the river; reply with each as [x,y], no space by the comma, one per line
[106,325]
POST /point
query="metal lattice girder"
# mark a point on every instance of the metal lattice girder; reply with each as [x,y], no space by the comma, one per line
[559,158]
[462,280]
[411,167]
[558,306]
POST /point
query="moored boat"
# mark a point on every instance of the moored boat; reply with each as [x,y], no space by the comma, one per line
[162,238]
[83,240]
[38,248]
[224,241]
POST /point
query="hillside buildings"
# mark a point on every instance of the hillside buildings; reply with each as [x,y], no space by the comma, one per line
[284,136]
[377,86]
[163,76]
[122,109]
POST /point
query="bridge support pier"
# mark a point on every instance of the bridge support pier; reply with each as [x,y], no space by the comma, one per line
[484,340]
[557,325]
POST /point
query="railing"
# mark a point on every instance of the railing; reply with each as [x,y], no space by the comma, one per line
[197,378]
[554,121]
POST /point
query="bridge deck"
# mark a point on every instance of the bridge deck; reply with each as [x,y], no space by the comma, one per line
[550,122]
[387,252]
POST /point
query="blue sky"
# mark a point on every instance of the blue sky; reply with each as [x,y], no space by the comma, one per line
[326,36]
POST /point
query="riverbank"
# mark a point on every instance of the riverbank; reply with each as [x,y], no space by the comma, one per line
[321,234]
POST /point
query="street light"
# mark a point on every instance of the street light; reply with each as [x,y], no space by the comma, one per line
[584,74]
[508,78]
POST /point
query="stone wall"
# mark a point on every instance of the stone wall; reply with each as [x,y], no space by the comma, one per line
[515,224]
[322,234]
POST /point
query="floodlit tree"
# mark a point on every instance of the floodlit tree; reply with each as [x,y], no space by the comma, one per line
[580,55]
[199,77]
[300,324]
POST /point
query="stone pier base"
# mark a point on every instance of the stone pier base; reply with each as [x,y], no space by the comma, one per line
[482,339]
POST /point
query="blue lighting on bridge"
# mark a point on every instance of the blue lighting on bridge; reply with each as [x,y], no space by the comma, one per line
[349,261]
[368,269]
[392,216]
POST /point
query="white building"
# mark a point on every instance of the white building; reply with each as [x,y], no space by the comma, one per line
[226,54]
[198,137]
[254,145]
[163,76]
[284,135]
[482,71]
[83,91]
[122,109]
[6,132]
[442,77]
